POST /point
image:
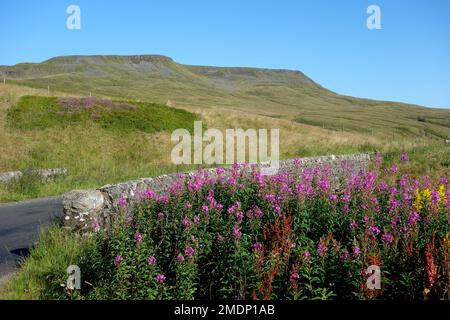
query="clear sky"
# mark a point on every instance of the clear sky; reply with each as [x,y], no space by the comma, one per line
[407,60]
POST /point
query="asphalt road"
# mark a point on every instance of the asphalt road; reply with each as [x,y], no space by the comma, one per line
[20,224]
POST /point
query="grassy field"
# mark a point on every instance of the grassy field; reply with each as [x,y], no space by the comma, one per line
[95,156]
[311,119]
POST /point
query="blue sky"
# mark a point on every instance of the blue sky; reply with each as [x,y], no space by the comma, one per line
[407,60]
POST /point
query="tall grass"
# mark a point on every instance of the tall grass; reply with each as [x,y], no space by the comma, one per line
[95,156]
[43,274]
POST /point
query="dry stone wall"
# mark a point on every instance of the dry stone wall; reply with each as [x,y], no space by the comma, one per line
[83,207]
[41,173]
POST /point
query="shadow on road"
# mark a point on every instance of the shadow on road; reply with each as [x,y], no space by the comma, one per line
[20,224]
[21,252]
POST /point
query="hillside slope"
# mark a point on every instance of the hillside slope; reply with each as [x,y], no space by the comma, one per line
[275,93]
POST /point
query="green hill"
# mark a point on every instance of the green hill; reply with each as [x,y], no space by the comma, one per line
[34,112]
[276,93]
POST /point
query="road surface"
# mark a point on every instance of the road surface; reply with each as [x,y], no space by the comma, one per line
[20,224]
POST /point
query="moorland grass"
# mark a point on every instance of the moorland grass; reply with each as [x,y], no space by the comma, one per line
[95,156]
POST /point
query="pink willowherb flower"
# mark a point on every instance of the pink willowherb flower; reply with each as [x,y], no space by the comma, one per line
[403,182]
[176,187]
[366,219]
[164,199]
[344,256]
[95,225]
[257,212]
[260,180]
[240,215]
[137,237]
[394,204]
[294,276]
[369,180]
[189,251]
[231,181]
[234,208]
[122,202]
[152,260]
[149,194]
[434,197]
[375,230]
[404,157]
[387,237]
[394,168]
[321,249]
[346,197]
[236,232]
[407,197]
[382,186]
[196,219]
[324,184]
[413,218]
[333,198]
[117,260]
[257,246]
[277,209]
[160,278]
[186,222]
[306,255]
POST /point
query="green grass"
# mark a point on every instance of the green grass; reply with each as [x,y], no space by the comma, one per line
[94,154]
[34,112]
[43,273]
[31,187]
[432,160]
